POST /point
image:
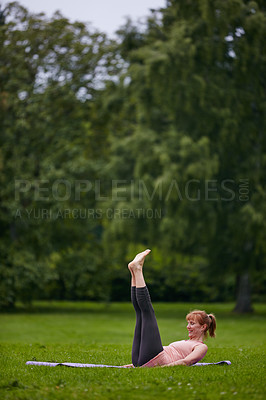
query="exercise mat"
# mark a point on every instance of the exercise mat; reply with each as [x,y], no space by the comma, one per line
[79,365]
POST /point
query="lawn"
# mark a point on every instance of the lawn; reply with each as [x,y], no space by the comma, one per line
[100,333]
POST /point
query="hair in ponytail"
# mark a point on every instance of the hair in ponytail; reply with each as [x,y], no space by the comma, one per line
[204,319]
[212,326]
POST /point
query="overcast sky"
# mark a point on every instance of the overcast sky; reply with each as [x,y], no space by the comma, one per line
[105,15]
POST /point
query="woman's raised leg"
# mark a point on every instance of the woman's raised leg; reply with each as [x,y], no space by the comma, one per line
[137,333]
[148,341]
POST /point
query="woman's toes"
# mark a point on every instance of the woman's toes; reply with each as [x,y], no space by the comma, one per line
[138,261]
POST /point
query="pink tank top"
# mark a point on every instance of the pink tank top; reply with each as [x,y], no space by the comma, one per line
[174,352]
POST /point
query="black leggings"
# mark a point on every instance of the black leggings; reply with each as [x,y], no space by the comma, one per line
[147,341]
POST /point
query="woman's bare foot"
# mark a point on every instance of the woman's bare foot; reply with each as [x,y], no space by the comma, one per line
[138,261]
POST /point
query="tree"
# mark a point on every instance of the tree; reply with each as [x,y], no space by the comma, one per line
[50,154]
[158,135]
[197,76]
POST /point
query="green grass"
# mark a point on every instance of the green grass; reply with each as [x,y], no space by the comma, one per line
[97,333]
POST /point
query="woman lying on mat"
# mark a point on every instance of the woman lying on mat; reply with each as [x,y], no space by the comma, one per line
[147,349]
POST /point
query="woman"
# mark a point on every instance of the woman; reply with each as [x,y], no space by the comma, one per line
[147,349]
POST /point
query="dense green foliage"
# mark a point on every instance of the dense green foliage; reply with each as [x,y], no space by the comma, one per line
[48,71]
[94,333]
[156,139]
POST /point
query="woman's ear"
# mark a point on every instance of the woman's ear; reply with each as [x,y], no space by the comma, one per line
[204,327]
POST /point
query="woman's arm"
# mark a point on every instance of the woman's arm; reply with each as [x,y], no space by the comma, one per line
[197,354]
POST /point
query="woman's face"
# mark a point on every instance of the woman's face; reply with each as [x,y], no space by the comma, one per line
[195,330]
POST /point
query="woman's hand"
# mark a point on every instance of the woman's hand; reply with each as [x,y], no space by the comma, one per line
[179,362]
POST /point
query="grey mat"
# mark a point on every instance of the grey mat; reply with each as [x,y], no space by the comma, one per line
[78,365]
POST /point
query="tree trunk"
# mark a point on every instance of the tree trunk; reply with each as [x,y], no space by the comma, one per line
[243,301]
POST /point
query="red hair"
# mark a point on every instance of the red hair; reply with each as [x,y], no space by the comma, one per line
[204,319]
